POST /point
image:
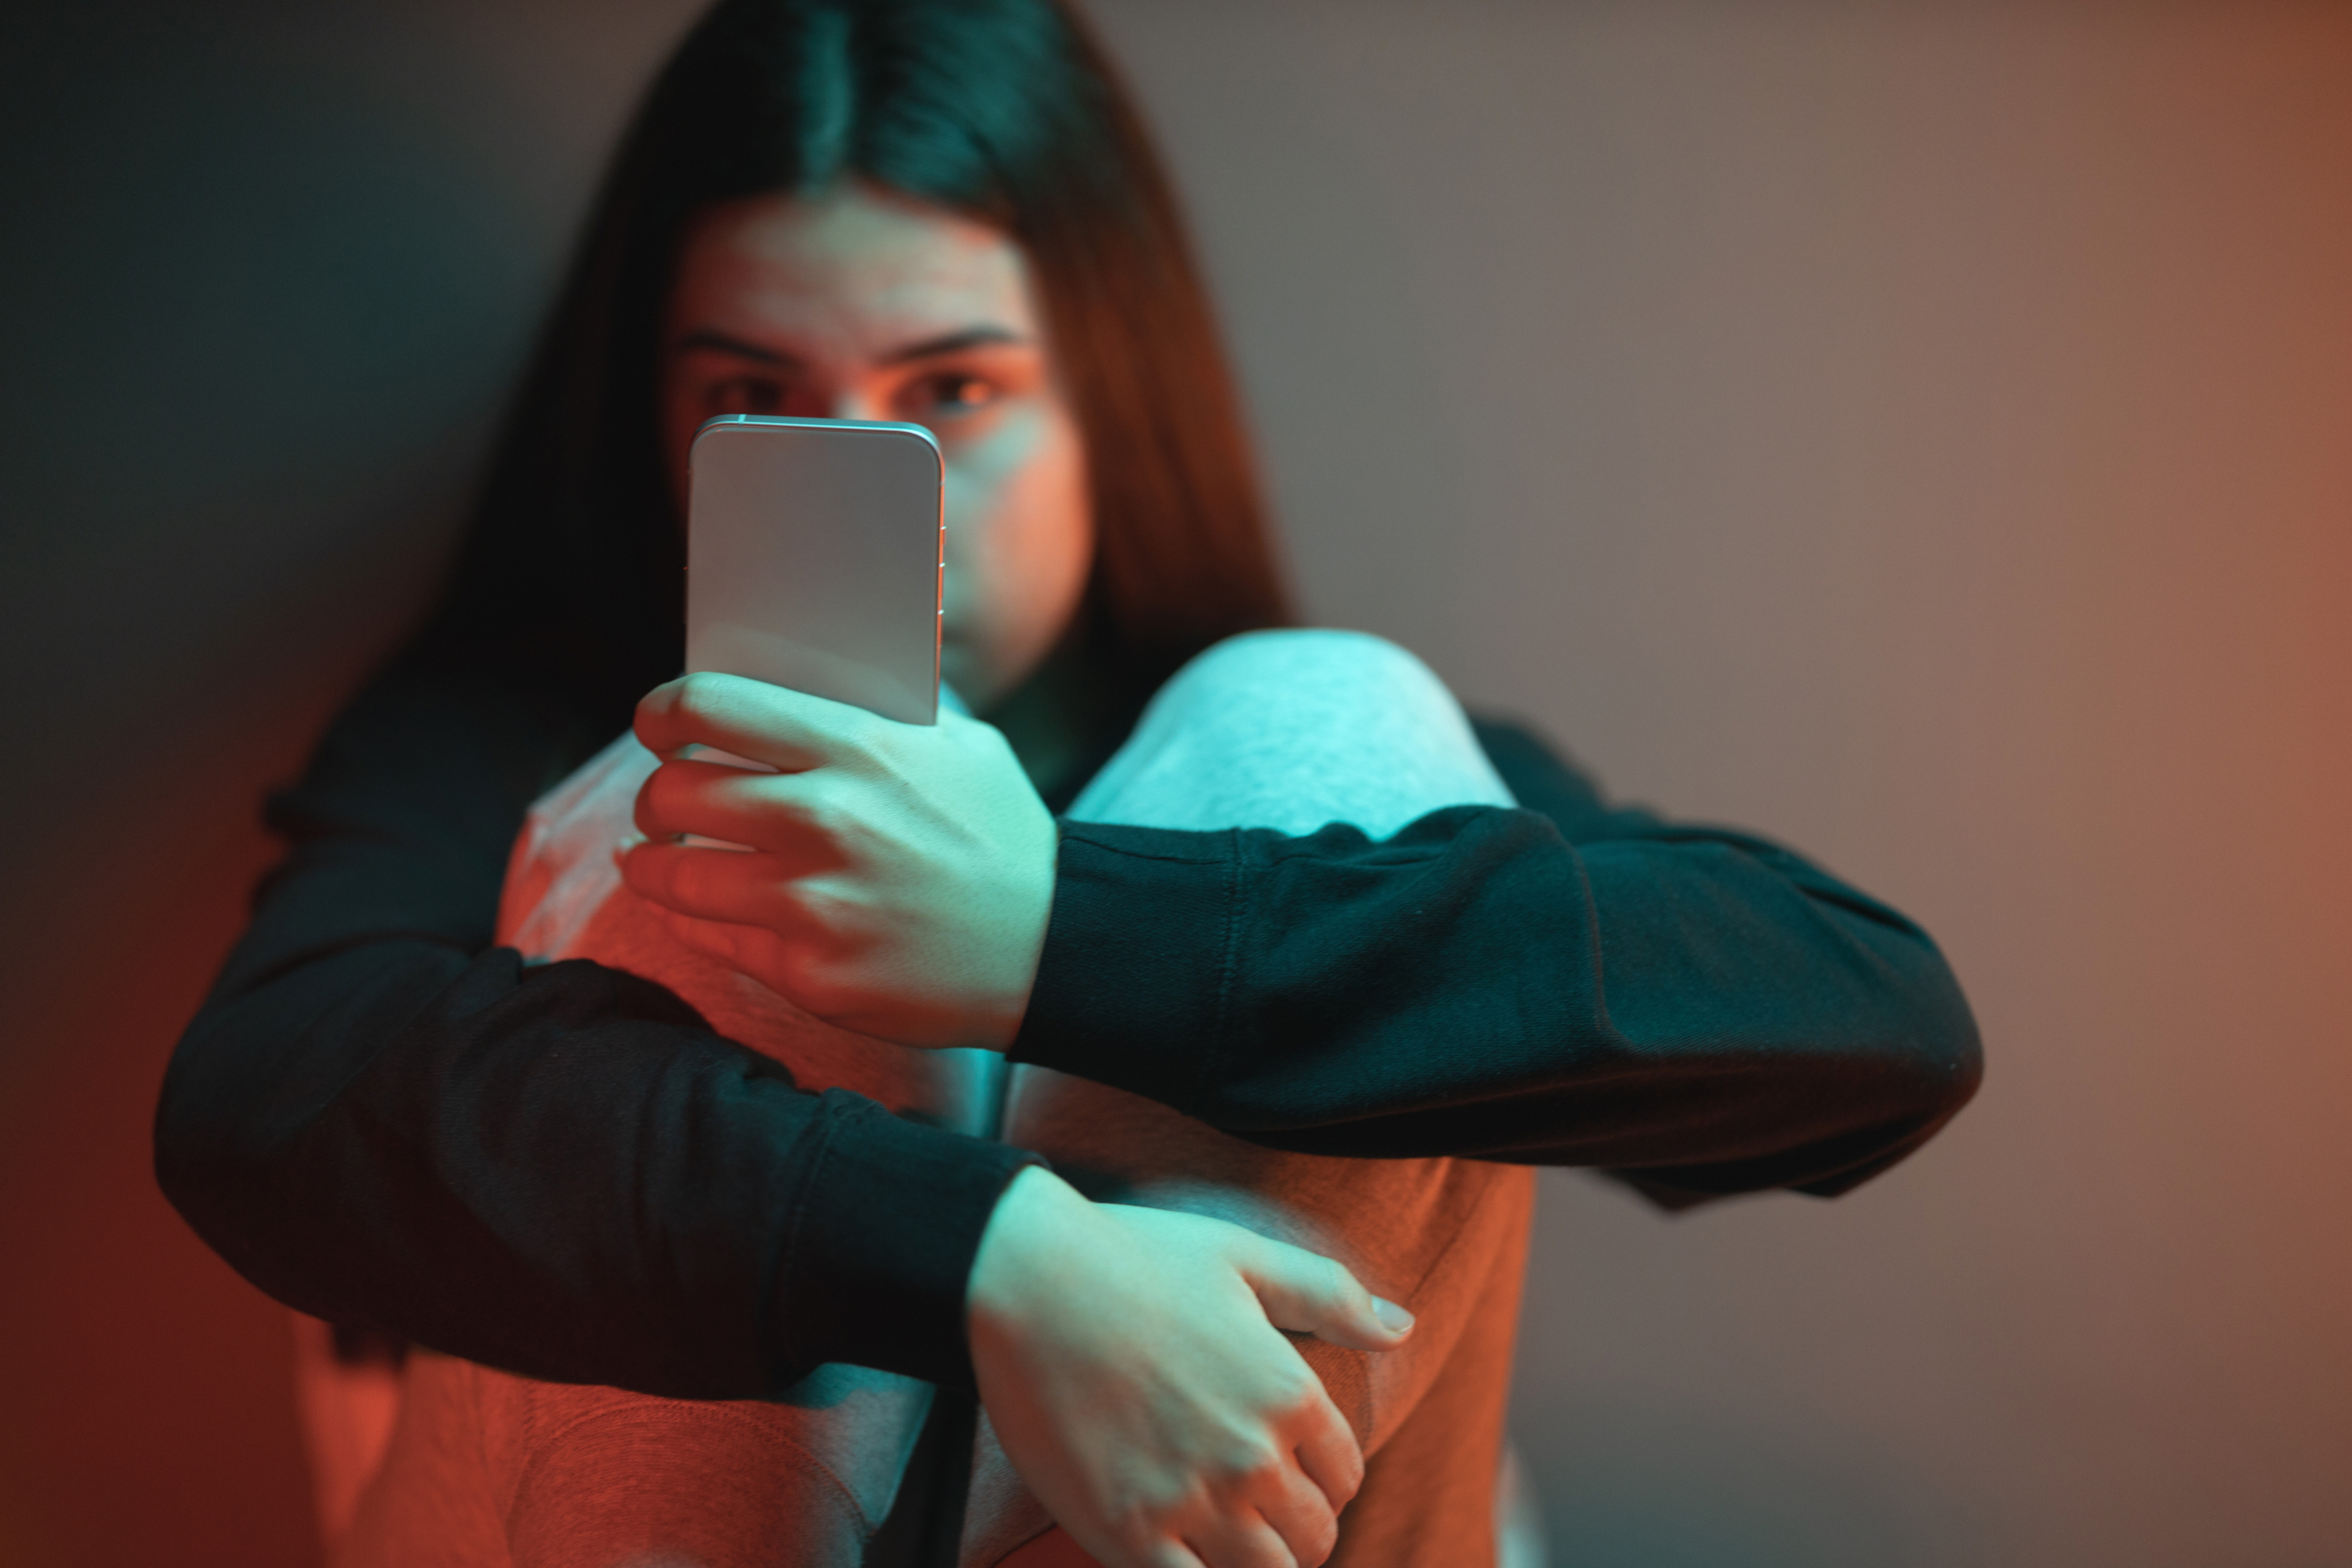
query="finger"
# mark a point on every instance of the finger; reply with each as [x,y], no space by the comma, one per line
[1242,1540]
[711,884]
[1171,1555]
[1307,1294]
[759,809]
[1306,1519]
[1330,1456]
[783,728]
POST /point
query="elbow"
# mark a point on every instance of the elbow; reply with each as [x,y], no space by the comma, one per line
[188,1133]
[1926,1063]
[1902,1028]
[1934,1044]
[220,1162]
[1864,1076]
[1959,1053]
[206,1139]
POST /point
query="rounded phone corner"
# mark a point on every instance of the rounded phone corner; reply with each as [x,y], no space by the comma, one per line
[720,422]
[716,422]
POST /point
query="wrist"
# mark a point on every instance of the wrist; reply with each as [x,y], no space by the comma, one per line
[1037,1222]
[1026,915]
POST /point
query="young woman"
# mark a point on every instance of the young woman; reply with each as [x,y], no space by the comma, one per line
[1119,1348]
[388,1121]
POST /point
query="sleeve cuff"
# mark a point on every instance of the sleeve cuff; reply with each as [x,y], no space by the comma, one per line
[888,1231]
[1132,984]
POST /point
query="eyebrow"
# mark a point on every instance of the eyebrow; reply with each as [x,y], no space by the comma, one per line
[929,348]
[703,338]
[952,343]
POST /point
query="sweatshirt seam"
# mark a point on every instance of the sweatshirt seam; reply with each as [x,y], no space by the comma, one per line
[627,1416]
[1122,851]
[1228,966]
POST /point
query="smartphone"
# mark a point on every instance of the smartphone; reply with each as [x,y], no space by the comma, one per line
[814,556]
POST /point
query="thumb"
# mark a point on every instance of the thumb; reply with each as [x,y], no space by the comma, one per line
[1307,1293]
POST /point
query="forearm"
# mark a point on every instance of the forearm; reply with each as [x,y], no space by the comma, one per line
[1696,1007]
[381,1118]
[562,1173]
[1563,983]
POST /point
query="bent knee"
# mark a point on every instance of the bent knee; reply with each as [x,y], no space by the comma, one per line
[1290,730]
[1318,679]
[1303,658]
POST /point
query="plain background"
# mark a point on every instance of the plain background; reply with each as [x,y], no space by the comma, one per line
[1920,430]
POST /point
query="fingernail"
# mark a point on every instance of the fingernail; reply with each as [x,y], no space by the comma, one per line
[1393,1318]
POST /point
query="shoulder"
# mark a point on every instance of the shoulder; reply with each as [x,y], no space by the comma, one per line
[442,727]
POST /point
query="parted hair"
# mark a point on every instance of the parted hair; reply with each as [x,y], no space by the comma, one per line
[1003,110]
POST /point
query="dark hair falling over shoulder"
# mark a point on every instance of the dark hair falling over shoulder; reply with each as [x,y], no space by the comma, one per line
[1004,110]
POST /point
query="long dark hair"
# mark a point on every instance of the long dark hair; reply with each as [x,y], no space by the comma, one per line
[1003,110]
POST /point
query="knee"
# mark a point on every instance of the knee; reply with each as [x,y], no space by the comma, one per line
[1296,660]
[1292,729]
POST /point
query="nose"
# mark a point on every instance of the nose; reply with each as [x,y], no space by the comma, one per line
[857,404]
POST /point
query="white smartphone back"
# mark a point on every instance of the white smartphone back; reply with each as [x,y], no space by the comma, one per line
[815,558]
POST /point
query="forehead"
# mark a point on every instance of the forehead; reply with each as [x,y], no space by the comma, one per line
[857,268]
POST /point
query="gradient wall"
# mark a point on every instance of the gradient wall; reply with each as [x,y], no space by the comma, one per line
[1921,432]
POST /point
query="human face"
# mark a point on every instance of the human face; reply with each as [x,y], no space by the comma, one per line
[862,305]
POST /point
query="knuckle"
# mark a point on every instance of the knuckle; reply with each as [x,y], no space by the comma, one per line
[1139,1528]
[701,697]
[644,815]
[1252,1461]
[1296,1390]
[653,704]
[817,803]
[817,909]
[658,795]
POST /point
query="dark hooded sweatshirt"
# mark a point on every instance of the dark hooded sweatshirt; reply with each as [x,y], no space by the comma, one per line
[562,1170]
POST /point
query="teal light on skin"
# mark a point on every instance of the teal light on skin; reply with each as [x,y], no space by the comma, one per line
[857,304]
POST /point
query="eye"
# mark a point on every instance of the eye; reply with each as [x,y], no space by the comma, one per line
[949,393]
[743,395]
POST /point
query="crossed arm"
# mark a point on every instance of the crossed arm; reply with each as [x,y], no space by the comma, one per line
[382,1120]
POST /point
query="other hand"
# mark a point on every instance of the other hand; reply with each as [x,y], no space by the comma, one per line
[1131,1362]
[900,875]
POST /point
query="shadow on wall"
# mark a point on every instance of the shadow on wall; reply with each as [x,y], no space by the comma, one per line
[257,301]
[1632,1481]
[1640,1469]
[261,324]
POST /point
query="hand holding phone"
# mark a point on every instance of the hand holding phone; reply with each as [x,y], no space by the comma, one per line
[902,875]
